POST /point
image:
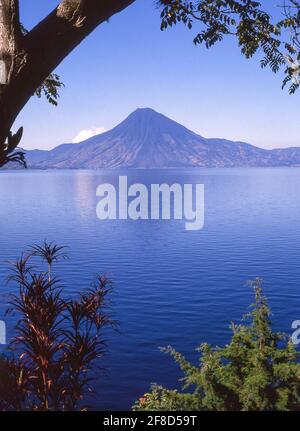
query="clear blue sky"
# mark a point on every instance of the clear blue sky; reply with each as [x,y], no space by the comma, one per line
[129,63]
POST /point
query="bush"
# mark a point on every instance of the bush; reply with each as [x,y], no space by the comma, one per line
[58,340]
[257,370]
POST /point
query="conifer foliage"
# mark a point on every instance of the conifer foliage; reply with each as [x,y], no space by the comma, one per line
[257,370]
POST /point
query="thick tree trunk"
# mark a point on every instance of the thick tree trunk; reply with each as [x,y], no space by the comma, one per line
[10,37]
[26,61]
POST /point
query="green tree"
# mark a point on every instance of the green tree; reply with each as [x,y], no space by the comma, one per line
[253,28]
[28,59]
[257,370]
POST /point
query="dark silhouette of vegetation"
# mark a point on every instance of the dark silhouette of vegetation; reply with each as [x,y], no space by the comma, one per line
[257,370]
[28,59]
[254,28]
[53,357]
[50,253]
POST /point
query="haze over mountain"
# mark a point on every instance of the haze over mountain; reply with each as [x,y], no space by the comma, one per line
[147,139]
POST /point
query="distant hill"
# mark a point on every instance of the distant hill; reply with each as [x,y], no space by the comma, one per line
[147,139]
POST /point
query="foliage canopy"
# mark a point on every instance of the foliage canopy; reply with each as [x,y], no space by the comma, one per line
[253,27]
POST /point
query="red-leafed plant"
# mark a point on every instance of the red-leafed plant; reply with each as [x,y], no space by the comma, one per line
[54,353]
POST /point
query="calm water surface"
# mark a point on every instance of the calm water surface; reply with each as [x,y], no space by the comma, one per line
[171,286]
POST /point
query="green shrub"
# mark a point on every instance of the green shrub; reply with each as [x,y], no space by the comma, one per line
[257,370]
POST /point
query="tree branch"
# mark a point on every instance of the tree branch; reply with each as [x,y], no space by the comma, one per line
[63,29]
[37,54]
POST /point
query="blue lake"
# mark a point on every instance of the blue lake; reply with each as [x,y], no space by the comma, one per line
[171,286]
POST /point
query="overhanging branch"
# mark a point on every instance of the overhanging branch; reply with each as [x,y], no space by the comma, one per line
[63,29]
[43,48]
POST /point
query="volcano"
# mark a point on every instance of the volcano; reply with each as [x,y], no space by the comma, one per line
[147,139]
